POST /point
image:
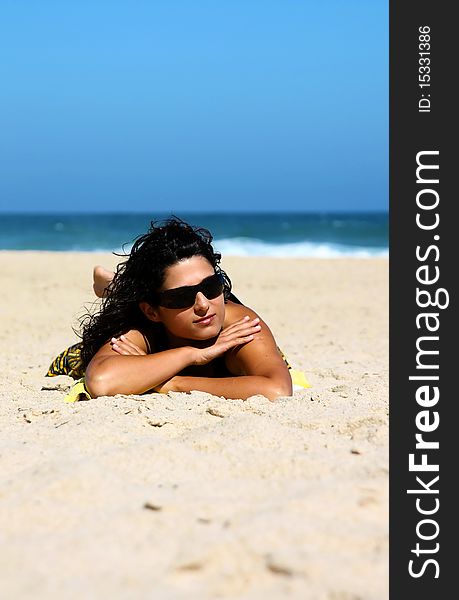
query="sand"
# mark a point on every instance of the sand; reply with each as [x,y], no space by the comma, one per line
[191,495]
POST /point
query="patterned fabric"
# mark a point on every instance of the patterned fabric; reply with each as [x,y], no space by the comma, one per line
[284,358]
[68,363]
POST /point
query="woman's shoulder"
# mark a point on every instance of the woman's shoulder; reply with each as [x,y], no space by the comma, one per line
[235,312]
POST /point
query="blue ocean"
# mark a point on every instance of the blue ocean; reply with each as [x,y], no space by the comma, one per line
[321,235]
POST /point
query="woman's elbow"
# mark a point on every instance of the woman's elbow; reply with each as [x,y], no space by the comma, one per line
[99,382]
[97,386]
[277,389]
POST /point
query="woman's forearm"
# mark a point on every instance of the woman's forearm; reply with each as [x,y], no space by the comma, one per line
[232,387]
[112,375]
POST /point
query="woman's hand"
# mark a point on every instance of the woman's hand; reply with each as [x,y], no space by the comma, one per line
[240,332]
[124,346]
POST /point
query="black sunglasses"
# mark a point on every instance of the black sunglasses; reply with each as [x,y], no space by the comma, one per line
[184,297]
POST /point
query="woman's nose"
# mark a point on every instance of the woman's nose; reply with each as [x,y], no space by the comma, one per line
[201,301]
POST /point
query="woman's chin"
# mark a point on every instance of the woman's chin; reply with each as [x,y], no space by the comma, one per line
[205,333]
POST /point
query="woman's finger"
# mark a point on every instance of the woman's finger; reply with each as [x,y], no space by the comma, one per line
[242,321]
[237,341]
[124,346]
[119,349]
[131,345]
[242,332]
[240,341]
[240,327]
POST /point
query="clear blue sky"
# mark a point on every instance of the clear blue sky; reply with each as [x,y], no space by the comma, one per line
[193,105]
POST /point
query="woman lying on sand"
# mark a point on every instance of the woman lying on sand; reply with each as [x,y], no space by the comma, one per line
[168,322]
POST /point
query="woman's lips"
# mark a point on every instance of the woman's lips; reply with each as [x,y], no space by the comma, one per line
[205,321]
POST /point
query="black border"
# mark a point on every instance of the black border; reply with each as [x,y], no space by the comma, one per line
[411,132]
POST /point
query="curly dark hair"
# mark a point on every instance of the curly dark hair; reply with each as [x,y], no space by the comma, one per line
[139,278]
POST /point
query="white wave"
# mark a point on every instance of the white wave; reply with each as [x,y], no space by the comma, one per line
[252,247]
[244,246]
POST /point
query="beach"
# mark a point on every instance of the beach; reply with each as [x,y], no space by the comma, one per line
[191,495]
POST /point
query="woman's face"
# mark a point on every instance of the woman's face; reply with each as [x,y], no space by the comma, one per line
[200,321]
